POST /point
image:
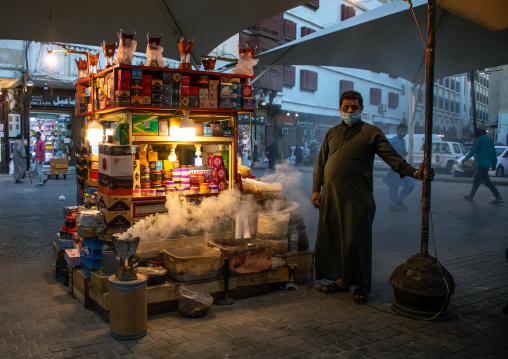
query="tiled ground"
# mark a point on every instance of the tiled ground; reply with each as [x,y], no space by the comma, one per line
[39,318]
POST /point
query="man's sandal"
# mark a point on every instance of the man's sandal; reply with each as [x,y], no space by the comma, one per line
[333,288]
[359,296]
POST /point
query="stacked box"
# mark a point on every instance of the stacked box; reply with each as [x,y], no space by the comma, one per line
[72,257]
[213,95]
[147,90]
[136,91]
[80,287]
[136,174]
[92,178]
[123,86]
[167,89]
[115,190]
[175,94]
[156,92]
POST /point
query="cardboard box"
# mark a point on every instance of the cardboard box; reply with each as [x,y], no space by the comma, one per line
[58,165]
[72,257]
[116,186]
[114,203]
[145,125]
[117,218]
[115,166]
[114,149]
[226,91]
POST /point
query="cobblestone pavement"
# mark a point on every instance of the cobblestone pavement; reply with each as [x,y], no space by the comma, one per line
[39,318]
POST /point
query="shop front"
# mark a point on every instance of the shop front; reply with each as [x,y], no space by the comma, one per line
[52,114]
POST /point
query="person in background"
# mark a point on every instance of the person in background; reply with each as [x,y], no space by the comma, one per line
[393,179]
[485,158]
[313,151]
[19,158]
[40,157]
[298,154]
[271,153]
[343,192]
[28,155]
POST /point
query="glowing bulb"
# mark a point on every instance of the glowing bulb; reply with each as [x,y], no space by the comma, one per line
[198,161]
[94,133]
[51,60]
[172,154]
[288,114]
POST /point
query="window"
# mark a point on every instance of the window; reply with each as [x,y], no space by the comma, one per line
[441,103]
[447,82]
[393,100]
[306,31]
[289,30]
[308,81]
[375,96]
[345,85]
[313,5]
[403,90]
[289,76]
[447,104]
[346,12]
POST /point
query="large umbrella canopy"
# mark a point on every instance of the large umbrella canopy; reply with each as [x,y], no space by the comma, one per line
[386,39]
[209,22]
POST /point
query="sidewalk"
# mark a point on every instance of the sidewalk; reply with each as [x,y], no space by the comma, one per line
[497,181]
[39,318]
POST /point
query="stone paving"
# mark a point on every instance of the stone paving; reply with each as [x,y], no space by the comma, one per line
[39,317]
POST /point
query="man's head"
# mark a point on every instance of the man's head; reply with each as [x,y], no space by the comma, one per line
[479,132]
[37,134]
[351,97]
[18,137]
[402,130]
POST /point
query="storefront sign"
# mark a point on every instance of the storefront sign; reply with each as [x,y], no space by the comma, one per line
[52,100]
[1,127]
[305,123]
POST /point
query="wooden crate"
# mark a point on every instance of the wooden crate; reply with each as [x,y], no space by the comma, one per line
[100,281]
[80,287]
[160,293]
[305,265]
[99,298]
[272,276]
[210,286]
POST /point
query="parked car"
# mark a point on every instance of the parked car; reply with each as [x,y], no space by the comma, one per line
[502,162]
[446,154]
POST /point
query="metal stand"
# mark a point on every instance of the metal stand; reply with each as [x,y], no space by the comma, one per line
[225,271]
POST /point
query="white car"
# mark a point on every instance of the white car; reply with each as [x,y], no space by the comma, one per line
[502,162]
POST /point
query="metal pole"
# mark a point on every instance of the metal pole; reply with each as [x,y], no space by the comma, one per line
[472,75]
[429,100]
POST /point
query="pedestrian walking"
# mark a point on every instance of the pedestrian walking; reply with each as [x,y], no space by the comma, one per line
[19,158]
[271,153]
[39,158]
[393,180]
[343,192]
[485,158]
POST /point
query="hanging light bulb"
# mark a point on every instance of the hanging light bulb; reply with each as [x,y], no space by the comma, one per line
[94,133]
[198,161]
[172,154]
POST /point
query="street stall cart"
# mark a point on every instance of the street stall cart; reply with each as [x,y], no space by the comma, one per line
[158,168]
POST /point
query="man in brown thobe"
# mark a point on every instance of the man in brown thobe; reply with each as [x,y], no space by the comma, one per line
[343,192]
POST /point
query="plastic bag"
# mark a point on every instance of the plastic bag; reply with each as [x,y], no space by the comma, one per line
[194,303]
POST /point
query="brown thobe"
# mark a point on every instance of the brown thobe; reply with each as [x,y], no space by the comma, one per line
[344,172]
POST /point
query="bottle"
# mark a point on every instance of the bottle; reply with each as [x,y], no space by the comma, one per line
[293,241]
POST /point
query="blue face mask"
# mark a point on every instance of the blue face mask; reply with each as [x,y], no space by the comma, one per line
[350,118]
